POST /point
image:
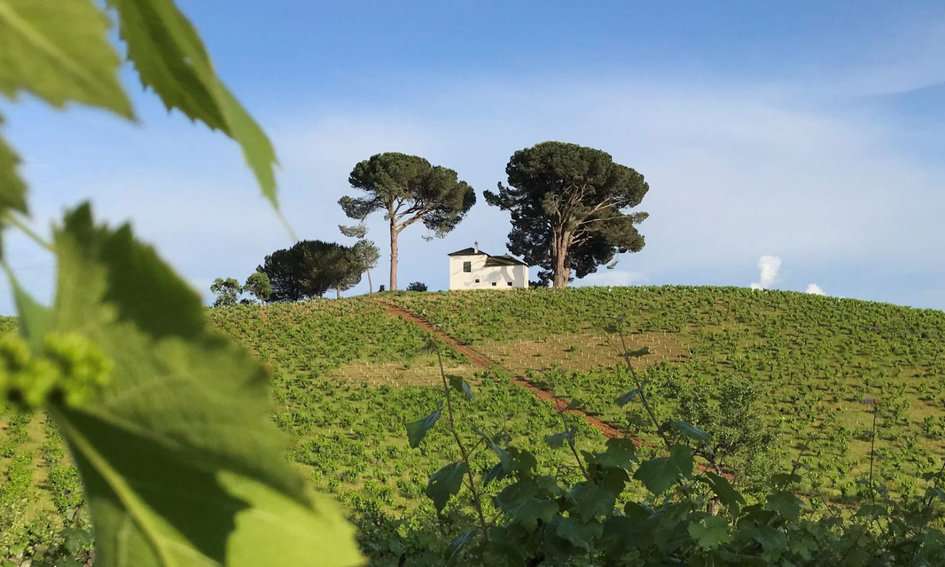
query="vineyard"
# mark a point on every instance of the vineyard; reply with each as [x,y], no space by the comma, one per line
[781,380]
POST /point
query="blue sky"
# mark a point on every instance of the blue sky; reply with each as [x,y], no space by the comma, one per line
[812,132]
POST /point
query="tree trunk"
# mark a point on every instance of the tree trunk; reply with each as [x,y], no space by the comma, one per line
[337,293]
[393,256]
[370,284]
[560,253]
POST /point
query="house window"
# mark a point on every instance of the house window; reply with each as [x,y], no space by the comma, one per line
[477,280]
[467,267]
[510,284]
[493,284]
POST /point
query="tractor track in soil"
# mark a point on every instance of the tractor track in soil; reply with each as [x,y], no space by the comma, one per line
[482,361]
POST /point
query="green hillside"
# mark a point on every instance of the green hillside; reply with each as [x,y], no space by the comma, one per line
[777,378]
[811,362]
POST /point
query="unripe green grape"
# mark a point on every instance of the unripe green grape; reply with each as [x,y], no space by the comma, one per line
[70,368]
[14,352]
[83,366]
[36,382]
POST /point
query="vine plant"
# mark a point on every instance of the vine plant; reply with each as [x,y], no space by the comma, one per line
[668,509]
[167,422]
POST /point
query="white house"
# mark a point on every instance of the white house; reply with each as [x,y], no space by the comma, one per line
[471,268]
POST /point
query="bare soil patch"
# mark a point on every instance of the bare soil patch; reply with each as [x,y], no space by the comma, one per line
[418,372]
[584,351]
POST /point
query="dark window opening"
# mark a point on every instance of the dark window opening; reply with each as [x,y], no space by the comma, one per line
[510,284]
[493,284]
[467,267]
[477,280]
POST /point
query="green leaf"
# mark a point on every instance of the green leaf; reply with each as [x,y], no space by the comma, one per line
[690,431]
[628,397]
[619,454]
[785,479]
[579,534]
[460,385]
[456,546]
[76,540]
[505,460]
[417,430]
[171,59]
[59,51]
[528,511]
[523,462]
[660,473]
[445,483]
[12,187]
[181,462]
[496,472]
[591,500]
[727,494]
[784,503]
[771,539]
[709,532]
[528,501]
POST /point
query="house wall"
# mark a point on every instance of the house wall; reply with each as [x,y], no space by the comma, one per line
[501,275]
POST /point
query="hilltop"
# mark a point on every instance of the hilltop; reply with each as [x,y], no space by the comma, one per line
[777,377]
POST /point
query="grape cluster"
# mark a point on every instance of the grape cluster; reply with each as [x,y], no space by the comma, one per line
[69,369]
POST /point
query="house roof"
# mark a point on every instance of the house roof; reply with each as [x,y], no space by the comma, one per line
[467,252]
[504,260]
[501,260]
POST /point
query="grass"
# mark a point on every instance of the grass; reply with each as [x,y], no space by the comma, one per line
[347,376]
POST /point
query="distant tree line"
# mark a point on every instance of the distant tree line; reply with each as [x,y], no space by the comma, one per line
[312,267]
[571,207]
[308,269]
[228,291]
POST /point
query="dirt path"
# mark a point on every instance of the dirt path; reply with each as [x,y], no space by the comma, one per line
[482,361]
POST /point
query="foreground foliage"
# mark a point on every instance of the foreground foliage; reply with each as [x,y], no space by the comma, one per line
[166,422]
[690,514]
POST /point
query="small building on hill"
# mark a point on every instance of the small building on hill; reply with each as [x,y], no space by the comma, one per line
[471,268]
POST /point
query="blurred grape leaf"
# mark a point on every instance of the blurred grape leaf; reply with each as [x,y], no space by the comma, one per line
[181,462]
[12,187]
[171,59]
[59,51]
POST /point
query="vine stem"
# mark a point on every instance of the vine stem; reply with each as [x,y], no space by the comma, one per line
[873,452]
[20,225]
[477,497]
[643,398]
[574,452]
[649,410]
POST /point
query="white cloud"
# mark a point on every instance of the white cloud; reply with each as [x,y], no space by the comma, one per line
[768,266]
[814,289]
